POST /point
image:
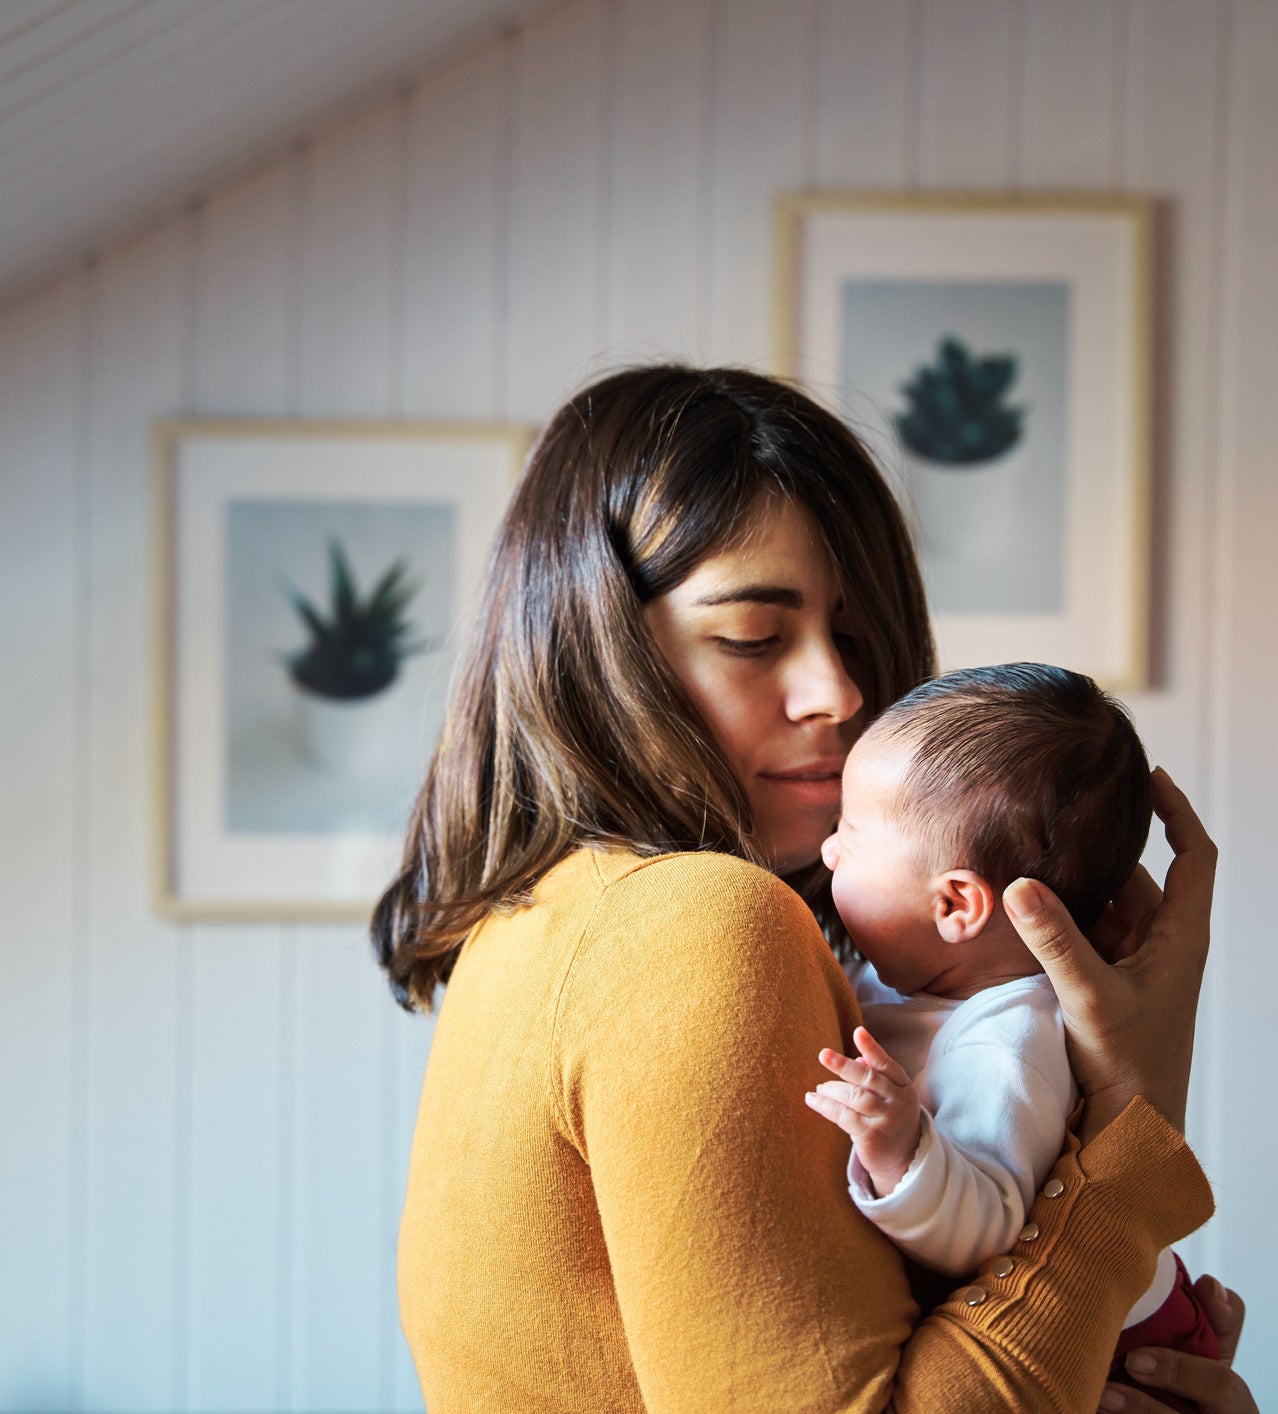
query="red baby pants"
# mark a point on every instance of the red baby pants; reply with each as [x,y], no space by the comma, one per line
[1180,1323]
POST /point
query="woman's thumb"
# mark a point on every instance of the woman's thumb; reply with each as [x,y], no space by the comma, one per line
[1046,928]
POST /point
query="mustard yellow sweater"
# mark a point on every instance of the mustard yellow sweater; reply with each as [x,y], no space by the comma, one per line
[619,1201]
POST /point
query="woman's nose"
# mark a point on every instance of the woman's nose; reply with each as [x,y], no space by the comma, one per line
[822,686]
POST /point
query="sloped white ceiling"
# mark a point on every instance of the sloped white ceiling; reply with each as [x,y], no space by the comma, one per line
[117,112]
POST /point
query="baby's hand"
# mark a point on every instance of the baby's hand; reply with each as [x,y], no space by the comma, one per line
[874,1101]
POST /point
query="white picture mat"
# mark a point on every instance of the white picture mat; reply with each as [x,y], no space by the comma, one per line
[207,865]
[1096,256]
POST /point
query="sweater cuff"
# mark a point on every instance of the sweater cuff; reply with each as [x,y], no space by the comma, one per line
[1181,1200]
[1089,1249]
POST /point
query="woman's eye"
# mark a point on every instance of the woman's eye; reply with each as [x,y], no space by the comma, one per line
[746,647]
[849,644]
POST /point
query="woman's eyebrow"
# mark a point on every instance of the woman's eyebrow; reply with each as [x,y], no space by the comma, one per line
[753,594]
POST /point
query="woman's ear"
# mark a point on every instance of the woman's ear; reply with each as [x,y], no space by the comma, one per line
[962,902]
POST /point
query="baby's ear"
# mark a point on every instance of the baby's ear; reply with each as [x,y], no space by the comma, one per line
[962,903]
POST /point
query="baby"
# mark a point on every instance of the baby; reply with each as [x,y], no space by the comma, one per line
[957,1107]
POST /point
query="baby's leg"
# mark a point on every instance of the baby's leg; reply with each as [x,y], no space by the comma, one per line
[1180,1323]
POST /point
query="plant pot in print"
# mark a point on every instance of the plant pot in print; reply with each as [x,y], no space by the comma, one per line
[344,736]
[971,510]
[345,676]
[967,449]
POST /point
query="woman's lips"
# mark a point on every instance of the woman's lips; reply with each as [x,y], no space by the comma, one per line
[818,784]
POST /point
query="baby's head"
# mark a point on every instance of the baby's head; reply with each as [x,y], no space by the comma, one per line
[966,783]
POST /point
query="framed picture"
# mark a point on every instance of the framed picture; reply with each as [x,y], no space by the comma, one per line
[993,352]
[312,583]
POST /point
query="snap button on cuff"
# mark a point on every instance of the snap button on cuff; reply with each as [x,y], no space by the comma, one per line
[1053,1188]
[1028,1233]
[974,1295]
[1003,1267]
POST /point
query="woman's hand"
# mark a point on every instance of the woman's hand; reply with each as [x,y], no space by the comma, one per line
[1211,1384]
[1129,1022]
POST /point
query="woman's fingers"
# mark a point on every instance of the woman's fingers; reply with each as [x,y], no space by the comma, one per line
[1192,873]
[1045,927]
[1210,1384]
[1122,926]
[1225,1310]
[1138,897]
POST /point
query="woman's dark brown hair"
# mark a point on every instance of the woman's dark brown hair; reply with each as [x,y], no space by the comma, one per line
[566,727]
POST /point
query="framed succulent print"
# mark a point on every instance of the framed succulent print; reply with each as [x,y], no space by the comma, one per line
[993,353]
[312,580]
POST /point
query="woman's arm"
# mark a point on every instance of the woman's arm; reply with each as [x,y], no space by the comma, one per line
[687,1036]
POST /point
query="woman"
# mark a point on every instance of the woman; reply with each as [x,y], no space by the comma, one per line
[617,1198]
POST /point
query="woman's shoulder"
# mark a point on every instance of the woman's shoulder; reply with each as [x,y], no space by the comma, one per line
[705,933]
[693,885]
[663,870]
[695,916]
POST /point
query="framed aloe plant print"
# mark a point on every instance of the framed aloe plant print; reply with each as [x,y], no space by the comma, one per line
[311,582]
[993,352]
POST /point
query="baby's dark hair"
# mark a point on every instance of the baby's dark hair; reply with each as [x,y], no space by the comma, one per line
[1025,769]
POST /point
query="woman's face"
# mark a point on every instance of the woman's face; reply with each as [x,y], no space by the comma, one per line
[763,643]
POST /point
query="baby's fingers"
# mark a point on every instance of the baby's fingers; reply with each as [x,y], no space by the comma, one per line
[875,1058]
[835,1111]
[842,1066]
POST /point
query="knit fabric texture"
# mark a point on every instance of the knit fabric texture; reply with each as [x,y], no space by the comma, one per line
[617,1198]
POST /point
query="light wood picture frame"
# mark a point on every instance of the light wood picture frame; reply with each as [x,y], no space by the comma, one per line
[312,582]
[993,351]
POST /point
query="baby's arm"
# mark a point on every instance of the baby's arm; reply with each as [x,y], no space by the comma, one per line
[974,1165]
[875,1102]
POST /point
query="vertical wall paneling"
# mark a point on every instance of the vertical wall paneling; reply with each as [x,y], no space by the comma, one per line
[969,47]
[240,335]
[236,1134]
[865,113]
[1174,143]
[133,965]
[762,90]
[661,55]
[242,353]
[282,1258]
[1070,54]
[1173,148]
[558,124]
[40,807]
[346,298]
[79,1010]
[1244,686]
[409,1040]
[404,1040]
[456,273]
[213,1121]
[346,316]
[338,1226]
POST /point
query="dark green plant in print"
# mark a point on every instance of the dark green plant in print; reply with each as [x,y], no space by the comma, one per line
[356,647]
[956,414]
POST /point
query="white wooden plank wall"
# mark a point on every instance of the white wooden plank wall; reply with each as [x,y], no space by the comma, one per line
[213,1121]
[1240,673]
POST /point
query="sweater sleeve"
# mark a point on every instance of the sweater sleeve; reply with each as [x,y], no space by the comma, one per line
[686,1035]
